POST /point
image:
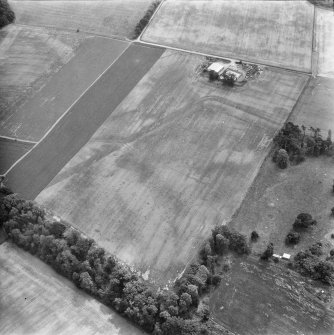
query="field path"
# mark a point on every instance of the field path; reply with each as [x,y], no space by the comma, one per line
[32,173]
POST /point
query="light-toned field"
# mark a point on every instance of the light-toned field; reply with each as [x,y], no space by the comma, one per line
[174,158]
[28,56]
[36,300]
[106,17]
[277,33]
[325,42]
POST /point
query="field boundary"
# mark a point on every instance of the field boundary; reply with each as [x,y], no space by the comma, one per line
[66,112]
[14,139]
[220,57]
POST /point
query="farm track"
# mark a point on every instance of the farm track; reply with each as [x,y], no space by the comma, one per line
[37,168]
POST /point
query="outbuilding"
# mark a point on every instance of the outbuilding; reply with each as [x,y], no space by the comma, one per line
[286,256]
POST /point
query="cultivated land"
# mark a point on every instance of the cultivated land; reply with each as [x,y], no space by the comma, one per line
[10,152]
[110,18]
[255,298]
[175,158]
[36,300]
[32,174]
[277,33]
[28,57]
[37,114]
[325,42]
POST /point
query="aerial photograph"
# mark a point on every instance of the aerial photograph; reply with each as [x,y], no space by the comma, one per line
[166,167]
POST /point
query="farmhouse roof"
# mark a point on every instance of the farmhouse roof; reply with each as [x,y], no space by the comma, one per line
[217,67]
[286,256]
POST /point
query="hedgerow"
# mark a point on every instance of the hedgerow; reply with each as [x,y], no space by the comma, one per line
[145,19]
[7,16]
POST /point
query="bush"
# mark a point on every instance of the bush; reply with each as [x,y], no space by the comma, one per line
[254,236]
[304,221]
[292,237]
[7,16]
[145,19]
[282,159]
[268,252]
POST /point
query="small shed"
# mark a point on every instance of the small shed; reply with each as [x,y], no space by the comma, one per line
[277,256]
[286,256]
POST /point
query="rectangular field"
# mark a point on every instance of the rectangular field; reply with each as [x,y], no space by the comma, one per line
[36,300]
[109,18]
[325,41]
[34,116]
[28,57]
[277,33]
[174,158]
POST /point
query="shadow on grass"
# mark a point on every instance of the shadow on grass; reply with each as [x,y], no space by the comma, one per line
[325,4]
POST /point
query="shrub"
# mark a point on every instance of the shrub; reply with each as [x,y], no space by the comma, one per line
[254,236]
[282,159]
[304,221]
[292,237]
[7,16]
[268,252]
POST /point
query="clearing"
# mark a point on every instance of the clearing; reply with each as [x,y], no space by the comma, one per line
[28,57]
[36,300]
[277,33]
[174,158]
[32,119]
[108,18]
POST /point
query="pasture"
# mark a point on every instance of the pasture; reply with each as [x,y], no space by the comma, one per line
[37,300]
[28,57]
[278,196]
[256,298]
[325,42]
[175,158]
[108,18]
[277,33]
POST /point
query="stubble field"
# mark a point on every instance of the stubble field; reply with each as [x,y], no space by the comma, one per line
[277,33]
[106,17]
[36,300]
[175,158]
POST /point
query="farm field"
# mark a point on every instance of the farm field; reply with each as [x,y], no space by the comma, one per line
[36,300]
[28,57]
[277,33]
[175,158]
[256,298]
[109,18]
[32,175]
[32,119]
[10,152]
[325,42]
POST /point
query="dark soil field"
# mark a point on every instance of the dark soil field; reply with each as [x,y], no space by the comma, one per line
[176,157]
[36,300]
[257,298]
[40,111]
[10,152]
[32,174]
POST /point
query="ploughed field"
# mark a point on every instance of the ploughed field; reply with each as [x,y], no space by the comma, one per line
[175,158]
[36,300]
[277,33]
[257,298]
[106,17]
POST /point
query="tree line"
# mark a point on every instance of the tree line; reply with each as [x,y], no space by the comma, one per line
[177,311]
